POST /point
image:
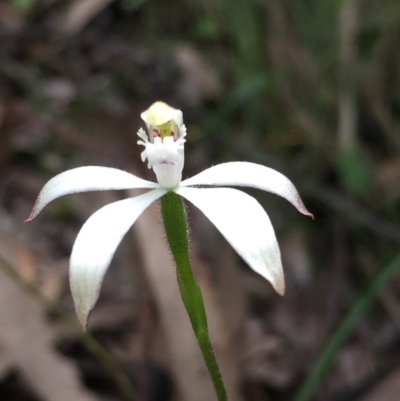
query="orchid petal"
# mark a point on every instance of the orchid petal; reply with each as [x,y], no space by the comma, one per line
[245,225]
[95,246]
[244,174]
[84,179]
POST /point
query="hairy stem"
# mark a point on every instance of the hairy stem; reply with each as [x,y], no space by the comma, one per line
[176,229]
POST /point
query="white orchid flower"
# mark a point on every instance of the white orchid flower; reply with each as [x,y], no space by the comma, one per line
[238,216]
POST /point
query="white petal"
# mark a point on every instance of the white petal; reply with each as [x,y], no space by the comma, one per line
[95,246]
[244,174]
[245,225]
[84,179]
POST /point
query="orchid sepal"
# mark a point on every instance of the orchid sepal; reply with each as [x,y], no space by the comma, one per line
[85,179]
[95,246]
[249,232]
[245,174]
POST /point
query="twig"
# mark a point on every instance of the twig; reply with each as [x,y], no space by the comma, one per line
[347,129]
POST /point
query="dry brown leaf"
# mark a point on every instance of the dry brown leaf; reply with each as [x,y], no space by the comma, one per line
[387,390]
[354,365]
[387,176]
[199,81]
[268,359]
[221,307]
[80,13]
[26,337]
[10,18]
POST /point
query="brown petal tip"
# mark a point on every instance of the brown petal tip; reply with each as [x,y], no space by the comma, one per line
[29,219]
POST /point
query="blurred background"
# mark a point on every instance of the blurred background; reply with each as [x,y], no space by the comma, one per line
[308,87]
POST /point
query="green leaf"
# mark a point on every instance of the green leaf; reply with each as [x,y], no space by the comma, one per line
[354,172]
[24,5]
[205,28]
[346,327]
[133,5]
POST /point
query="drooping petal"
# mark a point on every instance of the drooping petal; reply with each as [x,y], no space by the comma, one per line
[245,174]
[84,179]
[245,225]
[95,246]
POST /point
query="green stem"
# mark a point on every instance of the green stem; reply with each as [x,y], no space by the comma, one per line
[359,308]
[176,229]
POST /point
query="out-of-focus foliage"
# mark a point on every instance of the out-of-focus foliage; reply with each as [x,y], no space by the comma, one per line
[354,172]
[309,87]
[24,5]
